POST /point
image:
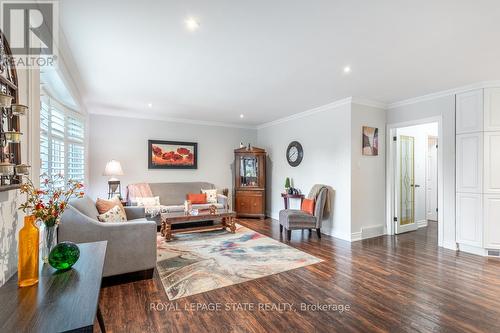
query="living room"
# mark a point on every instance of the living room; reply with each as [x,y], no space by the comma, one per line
[249,167]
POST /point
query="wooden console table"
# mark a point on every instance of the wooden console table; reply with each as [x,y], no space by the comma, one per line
[286,197]
[60,301]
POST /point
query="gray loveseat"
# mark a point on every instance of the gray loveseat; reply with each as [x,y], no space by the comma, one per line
[172,195]
[131,245]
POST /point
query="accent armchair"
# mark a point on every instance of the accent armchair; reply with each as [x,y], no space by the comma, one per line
[294,219]
[131,245]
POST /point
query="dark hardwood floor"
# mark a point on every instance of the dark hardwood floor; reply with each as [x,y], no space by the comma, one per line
[403,283]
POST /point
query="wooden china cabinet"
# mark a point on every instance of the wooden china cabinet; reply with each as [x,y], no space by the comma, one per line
[250,182]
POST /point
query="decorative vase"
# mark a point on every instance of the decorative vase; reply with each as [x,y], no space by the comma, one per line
[49,239]
[64,255]
[27,266]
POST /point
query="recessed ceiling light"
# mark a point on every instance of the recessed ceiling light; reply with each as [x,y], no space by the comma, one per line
[150,105]
[347,69]
[192,24]
[242,116]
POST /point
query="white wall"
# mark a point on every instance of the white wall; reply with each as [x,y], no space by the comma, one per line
[420,133]
[326,139]
[368,175]
[11,219]
[125,139]
[443,107]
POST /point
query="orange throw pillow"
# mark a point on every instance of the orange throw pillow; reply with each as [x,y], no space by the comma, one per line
[104,206]
[307,206]
[198,198]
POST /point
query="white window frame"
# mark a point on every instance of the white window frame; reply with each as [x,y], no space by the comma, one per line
[67,112]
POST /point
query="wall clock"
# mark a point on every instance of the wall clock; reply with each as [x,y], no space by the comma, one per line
[294,153]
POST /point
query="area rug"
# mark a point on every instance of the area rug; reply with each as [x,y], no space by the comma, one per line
[199,262]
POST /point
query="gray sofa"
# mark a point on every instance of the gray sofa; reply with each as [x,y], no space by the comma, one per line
[131,245]
[172,196]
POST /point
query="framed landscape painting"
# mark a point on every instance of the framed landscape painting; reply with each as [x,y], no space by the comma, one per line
[370,141]
[172,155]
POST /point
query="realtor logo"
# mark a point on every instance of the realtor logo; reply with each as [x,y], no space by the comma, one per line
[31,29]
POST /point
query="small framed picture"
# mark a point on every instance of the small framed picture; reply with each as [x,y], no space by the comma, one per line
[172,155]
[370,141]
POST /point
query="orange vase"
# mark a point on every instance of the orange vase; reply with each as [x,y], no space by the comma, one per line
[27,267]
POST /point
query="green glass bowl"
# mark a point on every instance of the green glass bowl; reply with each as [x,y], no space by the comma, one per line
[64,255]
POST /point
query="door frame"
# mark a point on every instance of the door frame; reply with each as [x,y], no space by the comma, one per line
[427,170]
[390,169]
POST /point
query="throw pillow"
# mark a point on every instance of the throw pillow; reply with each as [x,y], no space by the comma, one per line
[104,206]
[197,198]
[115,214]
[147,201]
[211,196]
[307,206]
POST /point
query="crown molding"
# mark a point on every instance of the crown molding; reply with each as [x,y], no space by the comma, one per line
[155,116]
[369,102]
[322,108]
[303,114]
[326,107]
[445,93]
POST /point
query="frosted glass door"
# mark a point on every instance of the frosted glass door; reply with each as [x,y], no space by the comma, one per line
[406,188]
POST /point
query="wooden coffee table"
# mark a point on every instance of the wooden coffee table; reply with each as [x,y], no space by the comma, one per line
[225,216]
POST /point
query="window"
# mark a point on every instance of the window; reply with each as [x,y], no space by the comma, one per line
[62,141]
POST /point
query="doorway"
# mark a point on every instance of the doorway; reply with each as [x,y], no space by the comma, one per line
[414,182]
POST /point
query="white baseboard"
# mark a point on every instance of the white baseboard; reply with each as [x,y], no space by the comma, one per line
[338,235]
[422,224]
[368,232]
[273,216]
[356,236]
[472,249]
[450,245]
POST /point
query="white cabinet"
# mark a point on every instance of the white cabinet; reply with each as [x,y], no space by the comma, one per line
[469,219]
[478,169]
[469,112]
[492,109]
[492,162]
[469,163]
[491,221]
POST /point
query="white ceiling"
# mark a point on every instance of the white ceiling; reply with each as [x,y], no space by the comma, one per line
[270,59]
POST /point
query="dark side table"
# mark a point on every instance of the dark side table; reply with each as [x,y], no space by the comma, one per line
[286,197]
[61,301]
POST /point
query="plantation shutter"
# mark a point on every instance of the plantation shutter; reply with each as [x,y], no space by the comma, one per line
[76,149]
[62,142]
[44,137]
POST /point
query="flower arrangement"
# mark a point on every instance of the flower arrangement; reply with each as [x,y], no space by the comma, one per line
[49,203]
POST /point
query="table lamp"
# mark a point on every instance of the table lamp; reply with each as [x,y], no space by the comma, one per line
[113,168]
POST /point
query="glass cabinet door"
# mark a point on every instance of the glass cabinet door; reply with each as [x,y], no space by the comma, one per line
[249,171]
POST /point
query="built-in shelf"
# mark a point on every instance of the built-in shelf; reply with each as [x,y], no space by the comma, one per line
[4,80]
[10,152]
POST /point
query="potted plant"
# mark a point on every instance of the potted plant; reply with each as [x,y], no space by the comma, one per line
[287,184]
[48,203]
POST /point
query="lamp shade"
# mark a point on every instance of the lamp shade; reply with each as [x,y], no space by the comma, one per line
[113,168]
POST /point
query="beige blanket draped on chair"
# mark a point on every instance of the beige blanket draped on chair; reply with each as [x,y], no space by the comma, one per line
[313,193]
